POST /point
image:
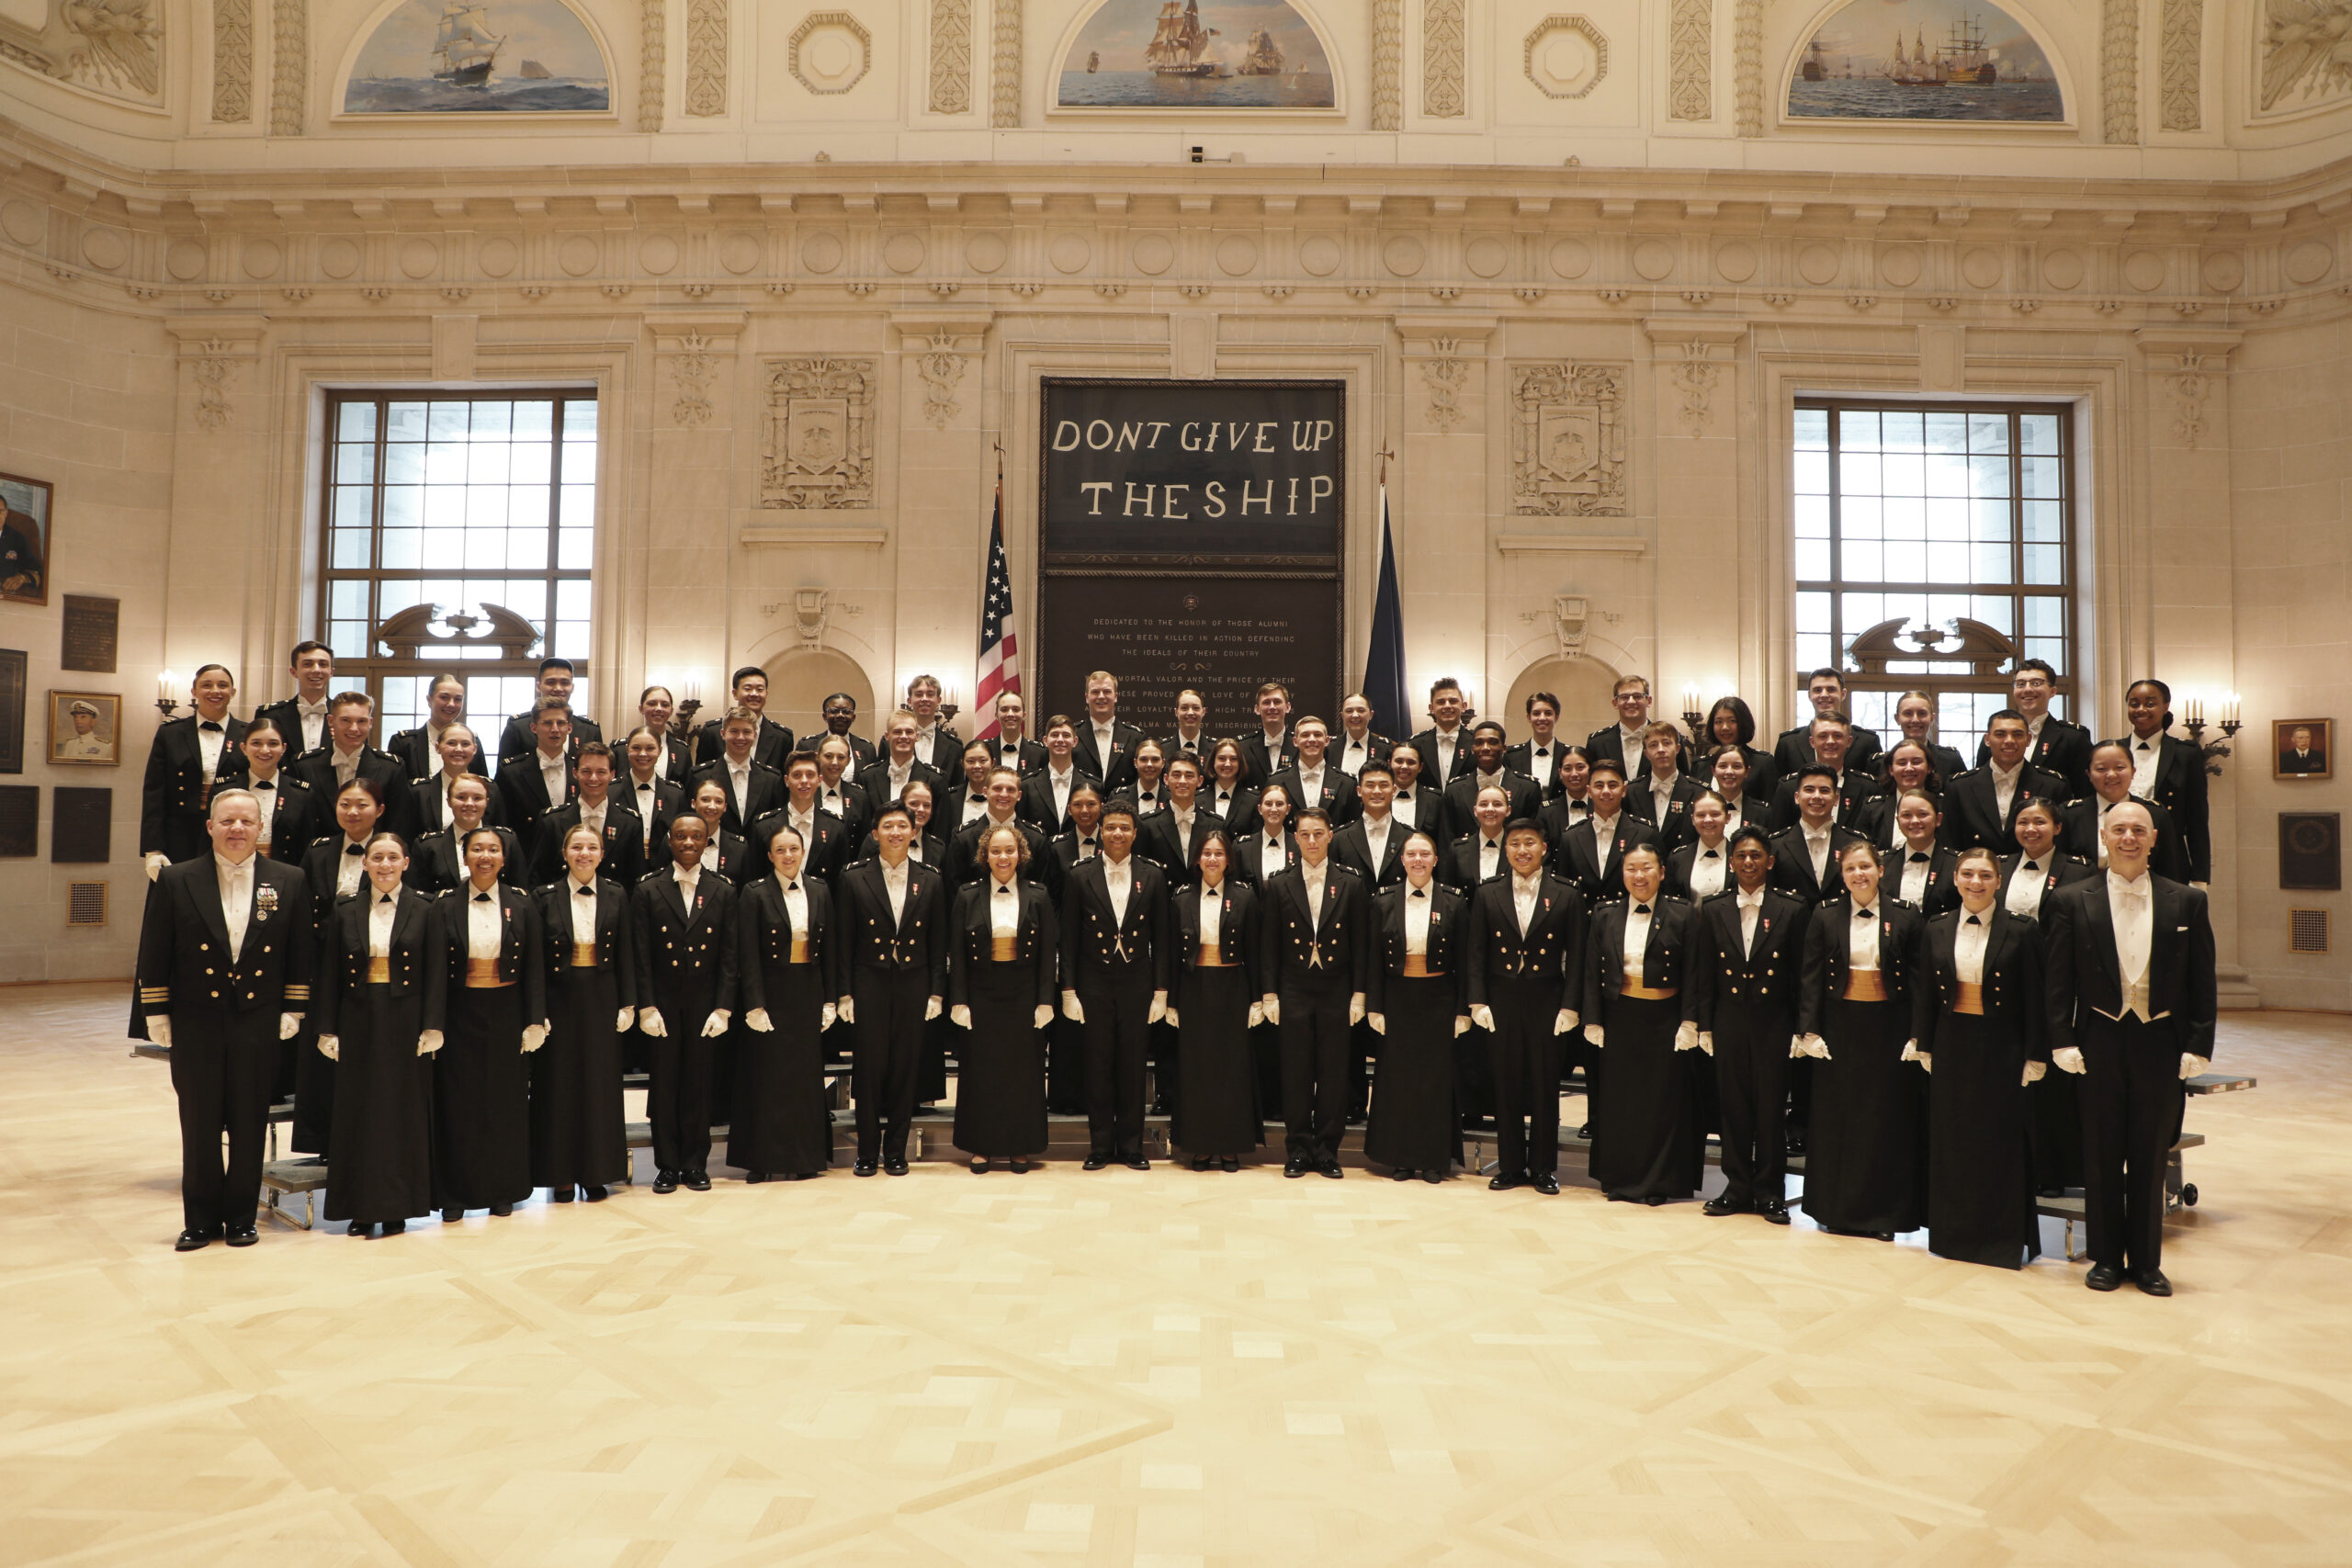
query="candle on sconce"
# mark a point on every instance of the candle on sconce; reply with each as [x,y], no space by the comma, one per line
[2230,714]
[2196,713]
[690,689]
[167,686]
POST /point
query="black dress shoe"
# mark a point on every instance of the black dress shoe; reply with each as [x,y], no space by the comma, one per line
[1546,1183]
[501,1210]
[1656,1200]
[1432,1176]
[595,1194]
[980,1167]
[697,1180]
[1200,1162]
[357,1231]
[755,1178]
[1401,1174]
[1294,1167]
[395,1227]
[2103,1277]
[451,1216]
[1502,1181]
[2151,1282]
[195,1241]
[1228,1164]
[1716,1208]
[863,1167]
[1021,1168]
[1096,1162]
[666,1181]
[1585,1132]
[560,1195]
[1774,1213]
[240,1236]
[1331,1169]
[895,1166]
[1136,1162]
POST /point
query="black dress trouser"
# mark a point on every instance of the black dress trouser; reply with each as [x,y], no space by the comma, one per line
[1315,1046]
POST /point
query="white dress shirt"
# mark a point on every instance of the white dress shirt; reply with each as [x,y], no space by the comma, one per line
[1354,753]
[1662,791]
[1968,949]
[894,882]
[739,785]
[1310,786]
[485,924]
[1817,846]
[1542,762]
[1524,891]
[1418,905]
[1629,749]
[1406,809]
[1103,737]
[351,869]
[312,717]
[266,794]
[2026,884]
[1375,838]
[975,806]
[1148,801]
[552,773]
[1751,913]
[689,878]
[1004,910]
[1490,857]
[2005,787]
[381,909]
[593,817]
[346,764]
[236,901]
[709,860]
[1637,942]
[1861,936]
[1119,880]
[2145,755]
[2131,904]
[1212,913]
[580,908]
[1916,864]
[1706,872]
[210,739]
[1274,853]
[649,800]
[899,773]
[1315,876]
[1447,740]
[1061,783]
[795,906]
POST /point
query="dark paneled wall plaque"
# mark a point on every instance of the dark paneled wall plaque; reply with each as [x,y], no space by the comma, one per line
[2311,851]
[81,826]
[19,822]
[92,634]
[1221,635]
[12,710]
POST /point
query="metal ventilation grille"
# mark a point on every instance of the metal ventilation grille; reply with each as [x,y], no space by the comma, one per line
[85,903]
[2307,931]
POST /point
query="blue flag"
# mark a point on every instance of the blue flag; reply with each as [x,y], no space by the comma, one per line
[1384,660]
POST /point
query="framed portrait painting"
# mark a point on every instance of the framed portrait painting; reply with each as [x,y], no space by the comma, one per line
[2303,749]
[86,729]
[24,540]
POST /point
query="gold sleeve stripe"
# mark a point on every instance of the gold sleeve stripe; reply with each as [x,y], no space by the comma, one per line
[298,993]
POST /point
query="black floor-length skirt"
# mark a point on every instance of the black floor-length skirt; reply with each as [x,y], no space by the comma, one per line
[1413,1125]
[382,1135]
[781,1125]
[579,1132]
[1645,1122]
[1000,1071]
[482,1101]
[1863,1163]
[1980,1176]
[2057,1122]
[1216,1114]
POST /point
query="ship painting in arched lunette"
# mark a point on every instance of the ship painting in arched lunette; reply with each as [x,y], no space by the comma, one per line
[1924,60]
[1196,54]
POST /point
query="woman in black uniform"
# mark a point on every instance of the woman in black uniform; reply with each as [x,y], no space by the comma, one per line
[579,1136]
[787,966]
[1002,947]
[1213,1003]
[438,864]
[1642,1020]
[495,1007]
[337,868]
[1416,1007]
[379,996]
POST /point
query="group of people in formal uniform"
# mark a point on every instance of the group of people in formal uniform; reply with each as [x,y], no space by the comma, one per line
[1870,953]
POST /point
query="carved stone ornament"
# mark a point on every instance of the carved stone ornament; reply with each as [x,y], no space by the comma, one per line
[2190,386]
[1747,65]
[817,447]
[706,46]
[951,56]
[692,368]
[1004,67]
[232,62]
[1695,377]
[1444,44]
[2180,65]
[1565,57]
[2119,71]
[941,368]
[1387,64]
[289,66]
[2304,55]
[652,63]
[212,369]
[1442,378]
[1568,439]
[831,52]
[1691,59]
[115,47]
[1571,623]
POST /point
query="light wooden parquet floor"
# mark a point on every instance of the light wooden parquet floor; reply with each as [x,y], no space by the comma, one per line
[1159,1369]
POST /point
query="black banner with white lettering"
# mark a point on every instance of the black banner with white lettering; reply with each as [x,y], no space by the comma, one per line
[1192,476]
[1162,634]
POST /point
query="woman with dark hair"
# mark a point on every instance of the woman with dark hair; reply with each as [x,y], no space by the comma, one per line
[1065,1069]
[1732,777]
[379,1007]
[1213,1003]
[2170,770]
[337,868]
[723,852]
[1416,1006]
[1701,868]
[927,847]
[1907,765]
[292,815]
[1573,801]
[1731,723]
[1149,760]
[1270,848]
[1915,712]
[1227,791]
[1002,947]
[1641,1019]
[439,866]
[579,1136]
[496,1009]
[1864,1006]
[787,970]
[2027,879]
[456,751]
[1984,1043]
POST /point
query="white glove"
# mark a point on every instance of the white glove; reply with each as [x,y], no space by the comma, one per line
[650,1024]
[330,1046]
[758,1021]
[1257,1014]
[1707,1040]
[2034,1072]
[1910,1050]
[1815,1046]
[2067,1059]
[534,1036]
[1461,1024]
[960,1016]
[826,1016]
[847,1012]
[1355,1009]
[428,1043]
[1796,1046]
[1686,1036]
[1597,1034]
[155,864]
[1272,1007]
[1158,1008]
[1045,1016]
[2192,1065]
[1172,1020]
[1070,1010]
[932,1006]
[1483,1016]
[715,1024]
[159,1030]
[623,1020]
[1926,1061]
[1565,1023]
[289,1024]
[1379,1022]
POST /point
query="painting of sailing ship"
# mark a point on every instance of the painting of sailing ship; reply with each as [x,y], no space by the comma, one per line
[1196,54]
[479,56]
[1924,60]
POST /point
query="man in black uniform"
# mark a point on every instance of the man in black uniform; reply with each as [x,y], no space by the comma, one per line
[1269,748]
[614,819]
[1748,968]
[1831,743]
[840,713]
[1011,745]
[1982,804]
[555,684]
[302,717]
[1488,770]
[224,975]
[1115,982]
[351,720]
[772,742]
[2051,744]
[754,787]
[533,783]
[1826,689]
[1356,744]
[685,987]
[937,746]
[1105,743]
[894,911]
[1445,756]
[1317,939]
[1525,970]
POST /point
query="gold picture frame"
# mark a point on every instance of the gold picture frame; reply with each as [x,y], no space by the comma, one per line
[75,744]
[2303,749]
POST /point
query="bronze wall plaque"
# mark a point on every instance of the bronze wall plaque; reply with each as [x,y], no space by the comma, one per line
[81,826]
[1221,635]
[2311,851]
[89,640]
[19,822]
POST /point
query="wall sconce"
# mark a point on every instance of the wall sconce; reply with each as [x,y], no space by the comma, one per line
[167,686]
[2230,721]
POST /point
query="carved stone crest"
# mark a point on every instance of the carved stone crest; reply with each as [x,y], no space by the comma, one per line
[942,367]
[817,445]
[1568,439]
[692,368]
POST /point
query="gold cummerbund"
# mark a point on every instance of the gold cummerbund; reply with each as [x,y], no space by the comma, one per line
[1416,966]
[1212,957]
[1641,993]
[1971,998]
[1865,986]
[481,974]
[379,971]
[1003,949]
[800,952]
[584,955]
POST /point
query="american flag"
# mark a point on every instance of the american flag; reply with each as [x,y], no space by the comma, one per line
[1000,666]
